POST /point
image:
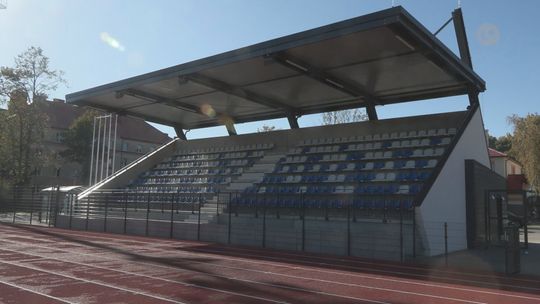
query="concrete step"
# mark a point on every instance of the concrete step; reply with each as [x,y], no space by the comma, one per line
[255,173]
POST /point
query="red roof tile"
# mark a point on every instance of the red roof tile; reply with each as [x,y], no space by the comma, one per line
[495,153]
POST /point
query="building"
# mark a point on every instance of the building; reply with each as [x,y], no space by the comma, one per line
[509,168]
[503,164]
[135,138]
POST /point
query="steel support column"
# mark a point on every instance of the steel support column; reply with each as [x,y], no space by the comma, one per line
[461,36]
[180,133]
[231,129]
[293,121]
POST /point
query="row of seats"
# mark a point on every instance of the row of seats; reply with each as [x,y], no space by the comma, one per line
[151,197]
[382,136]
[184,180]
[348,178]
[206,164]
[173,189]
[261,146]
[374,145]
[194,172]
[212,156]
[402,153]
[370,188]
[359,203]
[358,166]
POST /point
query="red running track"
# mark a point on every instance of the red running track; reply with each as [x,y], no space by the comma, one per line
[47,265]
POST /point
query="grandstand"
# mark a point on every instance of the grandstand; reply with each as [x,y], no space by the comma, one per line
[401,180]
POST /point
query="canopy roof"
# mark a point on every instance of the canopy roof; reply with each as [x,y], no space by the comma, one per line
[381,58]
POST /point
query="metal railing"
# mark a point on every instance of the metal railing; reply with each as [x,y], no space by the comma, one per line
[387,232]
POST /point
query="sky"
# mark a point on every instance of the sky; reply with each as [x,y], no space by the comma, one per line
[101,41]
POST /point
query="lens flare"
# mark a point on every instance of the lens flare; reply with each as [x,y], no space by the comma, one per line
[111,41]
[226,120]
[488,34]
[207,110]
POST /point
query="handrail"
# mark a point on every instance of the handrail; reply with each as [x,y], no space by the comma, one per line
[121,171]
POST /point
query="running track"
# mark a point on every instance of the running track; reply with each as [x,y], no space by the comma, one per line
[46,265]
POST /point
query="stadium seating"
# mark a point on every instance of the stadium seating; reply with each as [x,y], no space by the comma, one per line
[385,165]
[370,171]
[200,172]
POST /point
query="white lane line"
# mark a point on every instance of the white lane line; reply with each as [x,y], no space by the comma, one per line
[216,252]
[382,264]
[92,282]
[100,255]
[43,257]
[34,292]
[199,286]
[264,272]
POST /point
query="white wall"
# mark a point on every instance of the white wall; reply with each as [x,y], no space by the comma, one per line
[445,201]
[498,164]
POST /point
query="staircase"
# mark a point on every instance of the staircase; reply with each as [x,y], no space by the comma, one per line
[252,175]
[208,212]
[255,173]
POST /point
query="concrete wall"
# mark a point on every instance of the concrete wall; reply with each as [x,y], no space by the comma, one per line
[368,237]
[498,164]
[445,201]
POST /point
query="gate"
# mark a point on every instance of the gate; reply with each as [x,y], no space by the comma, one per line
[512,256]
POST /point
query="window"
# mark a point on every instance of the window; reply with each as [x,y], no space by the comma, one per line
[124,146]
[139,149]
[59,137]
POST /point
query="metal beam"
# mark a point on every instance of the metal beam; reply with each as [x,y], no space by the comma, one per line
[464,51]
[170,102]
[461,36]
[121,112]
[473,97]
[323,77]
[230,128]
[180,133]
[293,121]
[443,26]
[159,99]
[238,92]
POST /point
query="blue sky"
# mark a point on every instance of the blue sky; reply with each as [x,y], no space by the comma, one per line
[149,35]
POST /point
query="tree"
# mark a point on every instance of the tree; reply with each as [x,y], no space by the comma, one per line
[30,76]
[526,144]
[25,87]
[21,151]
[78,140]
[266,128]
[344,116]
[502,143]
